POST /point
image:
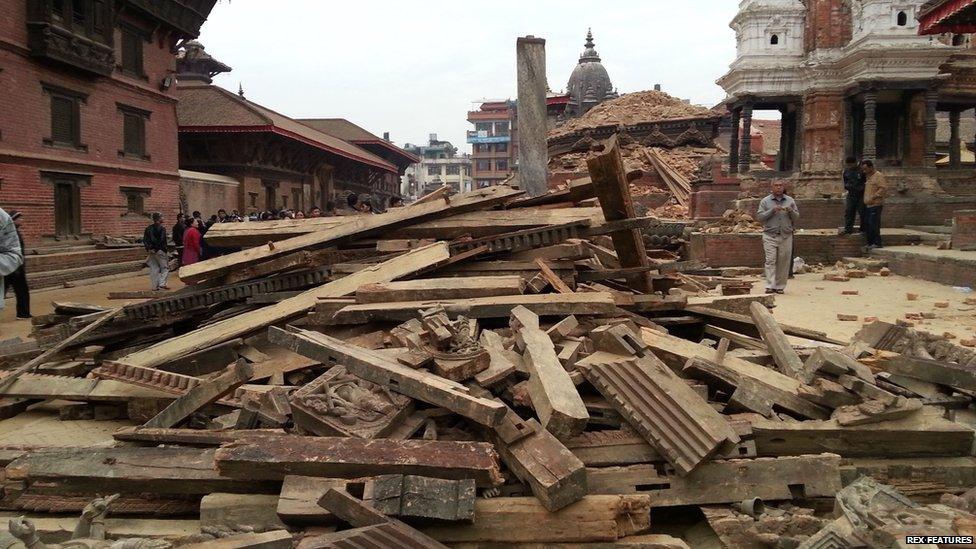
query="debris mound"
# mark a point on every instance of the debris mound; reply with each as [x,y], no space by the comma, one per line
[632,108]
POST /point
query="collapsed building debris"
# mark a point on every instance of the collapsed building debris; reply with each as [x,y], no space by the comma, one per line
[518,379]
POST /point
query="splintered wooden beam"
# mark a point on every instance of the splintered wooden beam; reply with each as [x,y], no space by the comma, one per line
[555,476]
[554,396]
[610,181]
[551,277]
[349,457]
[207,392]
[243,324]
[411,496]
[372,366]
[786,358]
[353,227]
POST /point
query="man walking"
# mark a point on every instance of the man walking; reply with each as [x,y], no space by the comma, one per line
[778,213]
[11,254]
[875,191]
[154,239]
[854,180]
[18,278]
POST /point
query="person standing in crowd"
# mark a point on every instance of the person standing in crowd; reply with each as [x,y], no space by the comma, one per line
[178,229]
[154,239]
[875,191]
[18,278]
[11,253]
[854,180]
[315,212]
[192,243]
[778,213]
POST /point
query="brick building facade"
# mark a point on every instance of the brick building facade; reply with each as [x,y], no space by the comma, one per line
[88,130]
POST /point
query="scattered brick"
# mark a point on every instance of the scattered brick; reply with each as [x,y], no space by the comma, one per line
[948,335]
[885,271]
[836,277]
[928,315]
[870,319]
[941,304]
[847,318]
[967,342]
[849,292]
[857,273]
[911,296]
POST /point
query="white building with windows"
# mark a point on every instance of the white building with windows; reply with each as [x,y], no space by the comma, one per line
[439,165]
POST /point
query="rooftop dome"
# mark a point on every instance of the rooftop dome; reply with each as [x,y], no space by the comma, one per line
[589,84]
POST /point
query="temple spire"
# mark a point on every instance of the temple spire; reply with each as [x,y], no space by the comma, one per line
[589,38]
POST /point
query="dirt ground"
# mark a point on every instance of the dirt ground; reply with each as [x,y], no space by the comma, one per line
[809,302]
[814,303]
[95,294]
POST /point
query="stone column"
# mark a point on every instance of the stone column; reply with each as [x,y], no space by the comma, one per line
[955,156]
[745,146]
[931,102]
[798,140]
[533,154]
[734,143]
[870,125]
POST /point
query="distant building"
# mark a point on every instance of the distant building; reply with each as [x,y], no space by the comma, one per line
[494,142]
[88,112]
[589,84]
[439,165]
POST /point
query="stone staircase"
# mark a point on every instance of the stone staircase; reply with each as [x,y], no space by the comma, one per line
[54,266]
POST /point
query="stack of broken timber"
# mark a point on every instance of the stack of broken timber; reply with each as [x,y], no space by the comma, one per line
[477,370]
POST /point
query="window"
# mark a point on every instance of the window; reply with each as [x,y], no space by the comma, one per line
[434,170]
[483,165]
[501,165]
[133,132]
[501,147]
[902,19]
[483,127]
[132,40]
[453,169]
[135,199]
[958,40]
[501,128]
[65,117]
[774,39]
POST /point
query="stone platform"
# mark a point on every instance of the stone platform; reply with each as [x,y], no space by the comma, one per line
[823,213]
[953,267]
[814,246]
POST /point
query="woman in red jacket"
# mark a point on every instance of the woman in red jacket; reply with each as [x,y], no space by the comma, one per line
[192,243]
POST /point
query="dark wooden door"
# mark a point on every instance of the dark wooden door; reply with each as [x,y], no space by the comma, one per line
[67,209]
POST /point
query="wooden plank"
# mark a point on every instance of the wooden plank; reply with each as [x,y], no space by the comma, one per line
[743,324]
[923,434]
[410,496]
[9,378]
[933,371]
[274,539]
[610,182]
[303,259]
[783,353]
[206,393]
[237,326]
[552,278]
[191,437]
[378,369]
[554,397]
[508,520]
[299,497]
[440,288]
[474,224]
[555,476]
[353,227]
[725,481]
[592,303]
[35,386]
[348,457]
[164,470]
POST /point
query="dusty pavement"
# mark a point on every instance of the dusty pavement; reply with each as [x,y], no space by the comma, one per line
[95,294]
[812,302]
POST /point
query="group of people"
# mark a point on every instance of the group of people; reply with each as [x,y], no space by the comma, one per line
[866,191]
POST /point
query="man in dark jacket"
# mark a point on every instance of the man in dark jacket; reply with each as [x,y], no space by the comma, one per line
[854,181]
[179,228]
[18,279]
[154,239]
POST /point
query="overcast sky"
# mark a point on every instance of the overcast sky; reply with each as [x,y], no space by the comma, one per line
[414,68]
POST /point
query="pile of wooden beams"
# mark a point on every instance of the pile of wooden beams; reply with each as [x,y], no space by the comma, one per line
[475,370]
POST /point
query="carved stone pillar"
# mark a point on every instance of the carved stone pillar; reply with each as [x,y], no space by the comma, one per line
[745,146]
[870,125]
[848,135]
[931,102]
[734,143]
[798,140]
[955,156]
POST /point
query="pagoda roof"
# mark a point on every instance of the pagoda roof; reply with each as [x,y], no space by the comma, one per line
[954,16]
[209,108]
[353,133]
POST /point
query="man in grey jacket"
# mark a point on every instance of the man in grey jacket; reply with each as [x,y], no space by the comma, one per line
[778,213]
[11,255]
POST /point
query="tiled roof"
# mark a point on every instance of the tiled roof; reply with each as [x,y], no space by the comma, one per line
[209,107]
[344,129]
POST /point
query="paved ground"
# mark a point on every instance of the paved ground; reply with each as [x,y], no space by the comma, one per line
[812,302]
[95,294]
